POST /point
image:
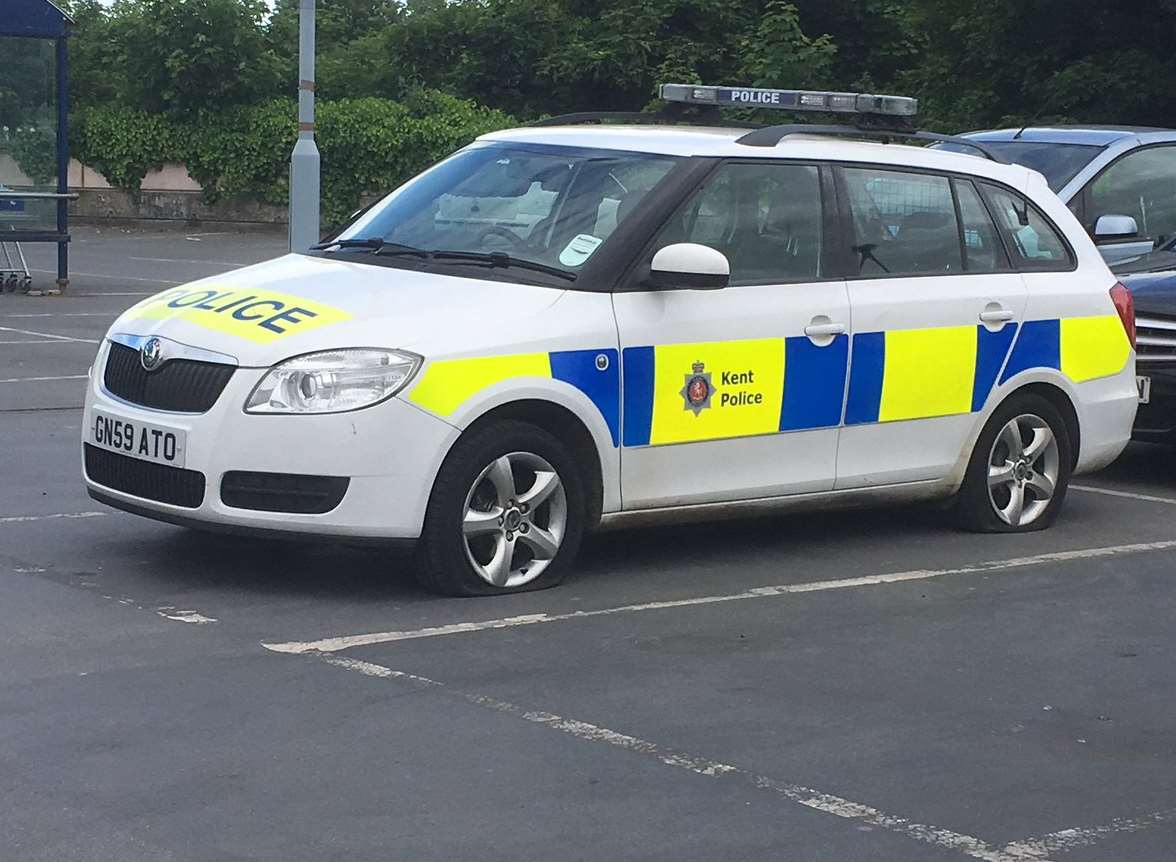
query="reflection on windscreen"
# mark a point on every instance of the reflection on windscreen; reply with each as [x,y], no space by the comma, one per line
[547,204]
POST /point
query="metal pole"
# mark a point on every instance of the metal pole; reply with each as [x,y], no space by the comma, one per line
[62,164]
[304,161]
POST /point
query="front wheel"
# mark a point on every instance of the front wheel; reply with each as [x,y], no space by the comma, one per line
[506,513]
[1019,471]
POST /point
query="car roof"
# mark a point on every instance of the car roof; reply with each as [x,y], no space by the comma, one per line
[722,142]
[1098,136]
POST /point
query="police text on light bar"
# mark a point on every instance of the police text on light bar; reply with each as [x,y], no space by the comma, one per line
[792,100]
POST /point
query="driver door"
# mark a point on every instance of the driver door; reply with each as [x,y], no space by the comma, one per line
[737,393]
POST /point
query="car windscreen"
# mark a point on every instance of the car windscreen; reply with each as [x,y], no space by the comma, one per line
[528,205]
[1058,163]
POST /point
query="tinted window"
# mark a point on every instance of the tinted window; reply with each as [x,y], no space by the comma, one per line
[766,218]
[1058,163]
[1031,240]
[1141,185]
[903,224]
[983,251]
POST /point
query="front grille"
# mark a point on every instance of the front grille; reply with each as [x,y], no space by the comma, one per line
[180,385]
[144,478]
[1155,338]
[283,492]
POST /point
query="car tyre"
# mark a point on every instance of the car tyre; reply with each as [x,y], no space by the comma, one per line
[1019,471]
[506,513]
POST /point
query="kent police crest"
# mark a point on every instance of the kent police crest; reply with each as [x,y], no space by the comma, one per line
[698,389]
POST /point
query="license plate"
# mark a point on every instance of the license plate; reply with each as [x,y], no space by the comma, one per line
[1143,384]
[138,439]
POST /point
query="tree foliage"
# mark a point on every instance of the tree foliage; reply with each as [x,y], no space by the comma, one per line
[228,68]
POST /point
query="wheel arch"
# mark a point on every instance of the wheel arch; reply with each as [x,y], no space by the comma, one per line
[564,424]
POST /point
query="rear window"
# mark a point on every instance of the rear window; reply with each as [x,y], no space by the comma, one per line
[1033,242]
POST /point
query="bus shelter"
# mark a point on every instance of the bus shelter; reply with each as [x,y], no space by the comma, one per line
[34,135]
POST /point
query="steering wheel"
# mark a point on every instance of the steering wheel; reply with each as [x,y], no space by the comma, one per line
[513,239]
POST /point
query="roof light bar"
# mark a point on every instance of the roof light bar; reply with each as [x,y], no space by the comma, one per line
[792,100]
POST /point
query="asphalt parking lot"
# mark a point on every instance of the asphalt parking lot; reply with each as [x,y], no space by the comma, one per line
[848,686]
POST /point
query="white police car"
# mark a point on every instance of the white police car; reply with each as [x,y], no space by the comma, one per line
[568,324]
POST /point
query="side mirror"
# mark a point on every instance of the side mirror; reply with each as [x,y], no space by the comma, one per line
[1115,227]
[689,266]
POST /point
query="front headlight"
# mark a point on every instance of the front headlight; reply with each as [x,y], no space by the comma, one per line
[333,381]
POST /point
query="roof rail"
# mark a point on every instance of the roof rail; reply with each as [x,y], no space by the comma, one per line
[671,117]
[771,135]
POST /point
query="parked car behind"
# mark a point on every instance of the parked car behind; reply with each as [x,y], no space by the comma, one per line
[1152,280]
[1120,181]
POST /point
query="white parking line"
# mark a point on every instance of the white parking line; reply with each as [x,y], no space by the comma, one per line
[183,260]
[32,341]
[49,335]
[1147,498]
[67,313]
[21,519]
[335,644]
[42,379]
[117,293]
[1071,839]
[115,277]
[817,800]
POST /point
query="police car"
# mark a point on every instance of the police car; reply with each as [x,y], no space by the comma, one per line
[580,323]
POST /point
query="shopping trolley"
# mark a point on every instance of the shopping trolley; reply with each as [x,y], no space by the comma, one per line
[14,269]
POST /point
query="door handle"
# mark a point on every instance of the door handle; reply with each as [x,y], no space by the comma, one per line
[996,314]
[824,330]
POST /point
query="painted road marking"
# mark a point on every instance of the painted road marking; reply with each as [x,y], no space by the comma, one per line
[201,262]
[116,277]
[117,293]
[43,379]
[69,313]
[33,341]
[1072,839]
[21,519]
[1147,498]
[799,794]
[335,644]
[49,335]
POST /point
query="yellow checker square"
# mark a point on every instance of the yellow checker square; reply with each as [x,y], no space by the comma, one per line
[1093,347]
[714,390]
[928,372]
[257,315]
[448,383]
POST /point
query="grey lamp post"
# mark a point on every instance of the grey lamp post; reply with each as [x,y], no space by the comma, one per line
[304,161]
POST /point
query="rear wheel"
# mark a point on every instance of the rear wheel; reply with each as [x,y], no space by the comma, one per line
[506,513]
[1019,471]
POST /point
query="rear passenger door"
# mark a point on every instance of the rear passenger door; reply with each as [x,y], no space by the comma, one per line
[935,306]
[737,393]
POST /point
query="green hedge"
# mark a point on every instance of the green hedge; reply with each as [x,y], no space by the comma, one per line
[368,145]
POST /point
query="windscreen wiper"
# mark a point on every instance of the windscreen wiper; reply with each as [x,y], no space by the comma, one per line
[372,242]
[501,258]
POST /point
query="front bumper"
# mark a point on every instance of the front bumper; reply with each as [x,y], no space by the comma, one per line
[389,453]
[1155,422]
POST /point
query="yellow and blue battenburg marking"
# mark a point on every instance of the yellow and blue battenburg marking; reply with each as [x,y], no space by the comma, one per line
[923,373]
[257,315]
[1082,348]
[681,393]
[448,383]
[677,393]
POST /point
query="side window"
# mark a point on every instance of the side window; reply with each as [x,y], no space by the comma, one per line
[1142,185]
[903,223]
[983,251]
[1032,241]
[766,218]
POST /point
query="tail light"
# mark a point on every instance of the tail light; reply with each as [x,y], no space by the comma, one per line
[1121,297]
